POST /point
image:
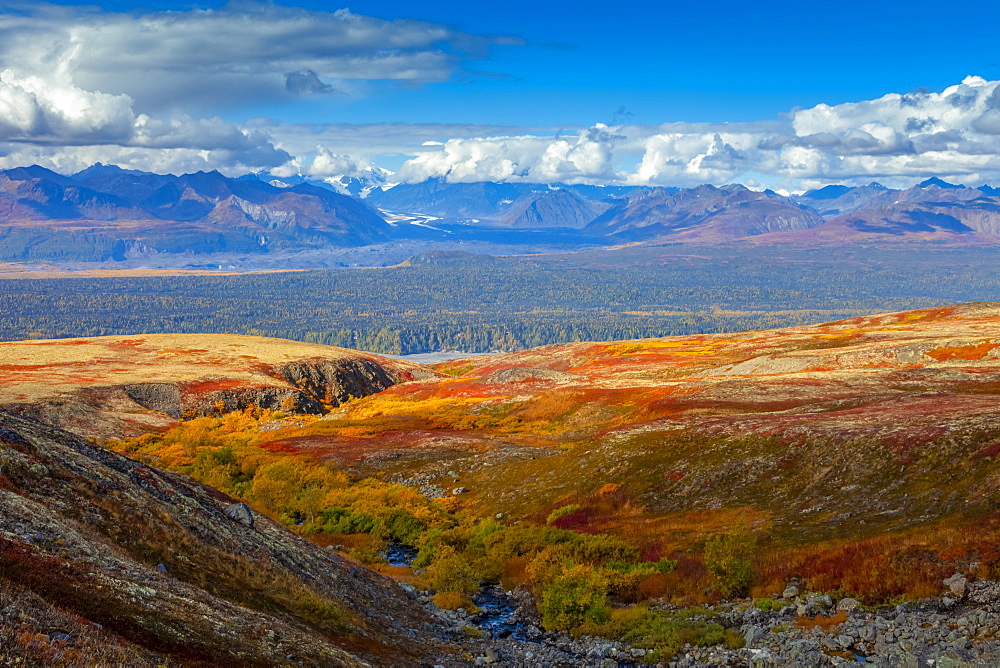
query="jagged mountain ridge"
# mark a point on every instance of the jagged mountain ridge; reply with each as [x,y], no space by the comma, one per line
[931,210]
[832,201]
[105,213]
[109,214]
[502,204]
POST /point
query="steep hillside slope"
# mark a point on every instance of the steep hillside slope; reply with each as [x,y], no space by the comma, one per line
[556,208]
[833,201]
[435,197]
[930,211]
[105,561]
[521,205]
[126,385]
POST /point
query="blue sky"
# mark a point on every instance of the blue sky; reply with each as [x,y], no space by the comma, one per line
[516,69]
[694,61]
[670,61]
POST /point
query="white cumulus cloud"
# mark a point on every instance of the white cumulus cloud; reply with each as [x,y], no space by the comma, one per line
[131,88]
[584,158]
[50,120]
[143,89]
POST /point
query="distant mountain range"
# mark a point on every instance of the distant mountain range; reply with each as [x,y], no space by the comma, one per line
[703,214]
[932,210]
[523,205]
[106,213]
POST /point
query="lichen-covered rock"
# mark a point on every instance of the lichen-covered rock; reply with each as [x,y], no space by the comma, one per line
[956,584]
[241,513]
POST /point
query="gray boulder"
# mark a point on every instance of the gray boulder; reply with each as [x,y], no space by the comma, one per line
[241,513]
[847,604]
[957,585]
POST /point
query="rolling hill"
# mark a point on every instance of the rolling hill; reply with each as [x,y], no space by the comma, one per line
[129,385]
[776,422]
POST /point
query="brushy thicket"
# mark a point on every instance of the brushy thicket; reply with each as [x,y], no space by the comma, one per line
[580,580]
[584,583]
[299,491]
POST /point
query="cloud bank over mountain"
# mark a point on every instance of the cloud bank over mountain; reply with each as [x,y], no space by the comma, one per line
[164,91]
[897,139]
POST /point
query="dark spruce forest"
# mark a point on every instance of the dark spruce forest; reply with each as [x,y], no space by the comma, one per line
[458,301]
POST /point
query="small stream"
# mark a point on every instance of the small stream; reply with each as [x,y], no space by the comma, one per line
[497,611]
[400,555]
[498,618]
[496,615]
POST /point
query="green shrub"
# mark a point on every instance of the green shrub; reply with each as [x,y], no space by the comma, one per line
[601,549]
[342,520]
[473,633]
[526,541]
[728,558]
[452,572]
[479,534]
[664,565]
[578,596]
[403,527]
[427,545]
[661,634]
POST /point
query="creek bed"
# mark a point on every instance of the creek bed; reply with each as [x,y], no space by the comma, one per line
[400,555]
[497,615]
[497,610]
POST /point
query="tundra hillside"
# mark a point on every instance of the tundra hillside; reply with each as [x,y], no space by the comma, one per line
[857,458]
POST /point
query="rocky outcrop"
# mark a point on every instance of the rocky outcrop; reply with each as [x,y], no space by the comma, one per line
[331,382]
[521,374]
[162,397]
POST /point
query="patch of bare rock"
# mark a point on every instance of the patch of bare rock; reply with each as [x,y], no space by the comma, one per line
[958,630]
